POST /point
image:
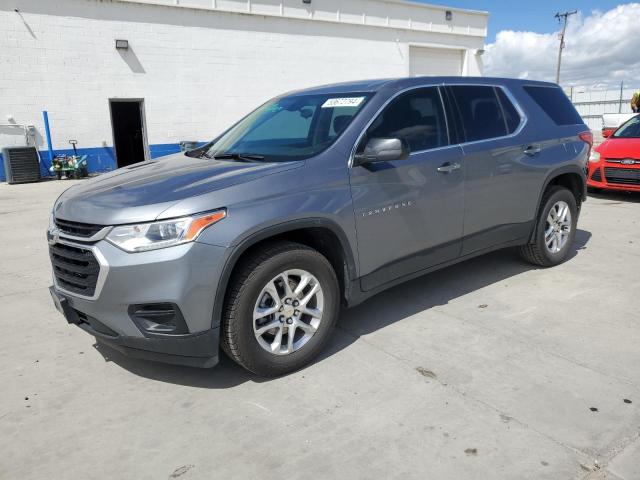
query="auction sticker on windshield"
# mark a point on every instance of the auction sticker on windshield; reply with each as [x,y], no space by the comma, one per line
[343,102]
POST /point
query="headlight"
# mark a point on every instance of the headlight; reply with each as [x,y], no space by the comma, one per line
[594,157]
[165,233]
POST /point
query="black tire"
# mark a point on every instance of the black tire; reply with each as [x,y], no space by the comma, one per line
[250,276]
[537,252]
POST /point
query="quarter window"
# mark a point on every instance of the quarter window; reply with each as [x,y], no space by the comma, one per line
[416,116]
[555,103]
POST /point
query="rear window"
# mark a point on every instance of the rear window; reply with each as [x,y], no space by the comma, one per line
[555,104]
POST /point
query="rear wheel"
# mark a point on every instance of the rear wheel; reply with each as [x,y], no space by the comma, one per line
[555,230]
[280,309]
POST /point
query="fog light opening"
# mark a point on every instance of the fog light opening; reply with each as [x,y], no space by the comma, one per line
[158,319]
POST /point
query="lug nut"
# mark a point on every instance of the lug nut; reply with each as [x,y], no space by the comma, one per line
[281,318]
[287,301]
[289,321]
[296,313]
[281,309]
[296,303]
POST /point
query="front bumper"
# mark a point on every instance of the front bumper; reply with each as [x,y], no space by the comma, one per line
[184,275]
[193,350]
[614,176]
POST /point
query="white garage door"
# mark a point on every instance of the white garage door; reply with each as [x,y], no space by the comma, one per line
[434,61]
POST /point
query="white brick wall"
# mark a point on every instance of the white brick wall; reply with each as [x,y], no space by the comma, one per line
[198,70]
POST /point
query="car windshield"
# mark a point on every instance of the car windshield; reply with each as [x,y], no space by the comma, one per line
[631,129]
[289,128]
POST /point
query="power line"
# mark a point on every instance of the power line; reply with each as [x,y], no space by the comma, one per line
[562,17]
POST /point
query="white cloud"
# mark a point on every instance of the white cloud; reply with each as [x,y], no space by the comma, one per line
[601,49]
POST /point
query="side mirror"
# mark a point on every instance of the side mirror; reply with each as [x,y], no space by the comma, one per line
[382,150]
[606,132]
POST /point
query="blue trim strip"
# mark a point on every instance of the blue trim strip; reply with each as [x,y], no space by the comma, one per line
[99,159]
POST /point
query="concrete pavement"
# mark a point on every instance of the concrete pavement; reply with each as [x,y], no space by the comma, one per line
[490,369]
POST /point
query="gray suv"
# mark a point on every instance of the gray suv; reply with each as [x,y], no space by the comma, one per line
[317,199]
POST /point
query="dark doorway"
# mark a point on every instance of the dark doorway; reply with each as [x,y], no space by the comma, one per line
[127,121]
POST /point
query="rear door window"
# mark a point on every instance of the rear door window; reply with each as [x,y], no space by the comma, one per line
[416,116]
[480,112]
[555,103]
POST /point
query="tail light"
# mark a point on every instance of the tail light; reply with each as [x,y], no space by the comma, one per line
[587,137]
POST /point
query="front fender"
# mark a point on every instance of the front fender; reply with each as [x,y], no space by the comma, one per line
[247,240]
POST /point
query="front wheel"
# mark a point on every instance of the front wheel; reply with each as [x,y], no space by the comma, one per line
[555,230]
[280,309]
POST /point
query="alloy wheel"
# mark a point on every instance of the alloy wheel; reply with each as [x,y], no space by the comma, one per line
[288,312]
[557,227]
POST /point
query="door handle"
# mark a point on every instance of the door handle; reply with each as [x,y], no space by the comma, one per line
[532,150]
[448,167]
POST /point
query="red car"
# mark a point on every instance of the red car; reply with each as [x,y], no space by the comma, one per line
[615,163]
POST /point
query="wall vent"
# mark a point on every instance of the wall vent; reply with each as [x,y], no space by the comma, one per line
[21,164]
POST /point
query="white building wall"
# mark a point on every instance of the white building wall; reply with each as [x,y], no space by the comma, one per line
[199,69]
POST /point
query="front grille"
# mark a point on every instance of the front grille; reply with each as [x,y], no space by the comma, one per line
[597,175]
[77,229]
[75,269]
[623,176]
[624,161]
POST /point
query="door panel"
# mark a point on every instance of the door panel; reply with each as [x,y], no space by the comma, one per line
[409,213]
[498,187]
[498,172]
[409,216]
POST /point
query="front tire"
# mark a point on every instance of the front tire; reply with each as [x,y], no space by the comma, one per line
[280,309]
[555,230]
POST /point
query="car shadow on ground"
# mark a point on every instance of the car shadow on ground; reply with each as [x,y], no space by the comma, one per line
[384,309]
[616,196]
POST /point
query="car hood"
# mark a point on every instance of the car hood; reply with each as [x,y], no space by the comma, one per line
[620,148]
[141,192]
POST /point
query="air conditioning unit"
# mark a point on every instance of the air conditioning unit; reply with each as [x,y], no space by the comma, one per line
[21,164]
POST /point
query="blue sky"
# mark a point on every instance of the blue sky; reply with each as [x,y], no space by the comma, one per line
[527,15]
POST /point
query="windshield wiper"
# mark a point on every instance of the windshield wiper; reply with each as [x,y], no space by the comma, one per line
[242,157]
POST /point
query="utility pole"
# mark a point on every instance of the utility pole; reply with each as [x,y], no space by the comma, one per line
[562,17]
[621,94]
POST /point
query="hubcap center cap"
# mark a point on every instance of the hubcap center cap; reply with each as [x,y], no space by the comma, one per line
[288,310]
